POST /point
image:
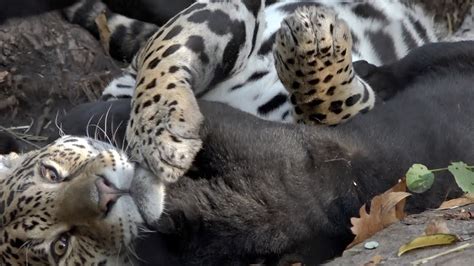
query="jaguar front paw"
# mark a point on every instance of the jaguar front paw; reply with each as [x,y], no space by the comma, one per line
[313,59]
[166,142]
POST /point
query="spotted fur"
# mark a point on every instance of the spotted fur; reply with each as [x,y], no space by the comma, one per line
[73,202]
[127,35]
[59,199]
[381,32]
[314,61]
[237,206]
[222,51]
[177,63]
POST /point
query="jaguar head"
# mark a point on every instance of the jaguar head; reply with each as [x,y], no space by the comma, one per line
[77,201]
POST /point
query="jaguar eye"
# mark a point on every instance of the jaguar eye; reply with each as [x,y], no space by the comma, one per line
[50,173]
[60,246]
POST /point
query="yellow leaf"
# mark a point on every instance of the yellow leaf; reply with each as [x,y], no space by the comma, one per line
[428,241]
[462,201]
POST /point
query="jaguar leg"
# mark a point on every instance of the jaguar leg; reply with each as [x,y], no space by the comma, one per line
[198,48]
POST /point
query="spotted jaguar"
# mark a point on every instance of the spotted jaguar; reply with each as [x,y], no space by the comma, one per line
[259,192]
[380,32]
[207,50]
[290,62]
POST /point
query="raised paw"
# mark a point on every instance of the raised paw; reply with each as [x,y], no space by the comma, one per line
[313,59]
[165,140]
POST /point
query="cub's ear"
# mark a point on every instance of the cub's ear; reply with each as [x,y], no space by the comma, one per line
[8,163]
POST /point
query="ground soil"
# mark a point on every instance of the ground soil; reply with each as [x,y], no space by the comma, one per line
[47,66]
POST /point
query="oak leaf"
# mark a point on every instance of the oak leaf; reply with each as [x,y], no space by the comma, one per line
[459,202]
[385,209]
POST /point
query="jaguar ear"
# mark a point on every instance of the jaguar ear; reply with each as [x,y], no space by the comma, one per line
[8,163]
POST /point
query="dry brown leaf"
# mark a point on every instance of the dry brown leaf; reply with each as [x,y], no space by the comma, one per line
[385,209]
[401,186]
[3,75]
[400,207]
[8,102]
[459,202]
[375,260]
[462,215]
[436,226]
[104,31]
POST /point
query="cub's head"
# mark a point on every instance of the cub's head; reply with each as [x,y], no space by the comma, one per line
[77,201]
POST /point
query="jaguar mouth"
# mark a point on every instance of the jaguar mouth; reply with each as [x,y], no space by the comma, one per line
[148,194]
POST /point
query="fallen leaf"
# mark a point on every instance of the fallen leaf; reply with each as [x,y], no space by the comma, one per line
[104,31]
[459,202]
[401,186]
[428,241]
[436,226]
[385,209]
[8,102]
[461,215]
[375,260]
[3,76]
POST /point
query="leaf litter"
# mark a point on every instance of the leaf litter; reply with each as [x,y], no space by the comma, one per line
[388,208]
[385,209]
[459,202]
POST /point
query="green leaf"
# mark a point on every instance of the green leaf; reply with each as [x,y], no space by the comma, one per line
[419,178]
[463,175]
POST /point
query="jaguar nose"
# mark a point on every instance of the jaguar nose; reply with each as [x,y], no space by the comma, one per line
[108,194]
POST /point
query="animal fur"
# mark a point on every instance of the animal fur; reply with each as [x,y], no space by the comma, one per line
[268,192]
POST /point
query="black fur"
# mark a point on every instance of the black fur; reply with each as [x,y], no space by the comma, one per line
[22,8]
[265,191]
[387,80]
[88,120]
[8,144]
[157,12]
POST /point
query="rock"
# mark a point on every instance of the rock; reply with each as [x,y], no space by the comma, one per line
[460,221]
